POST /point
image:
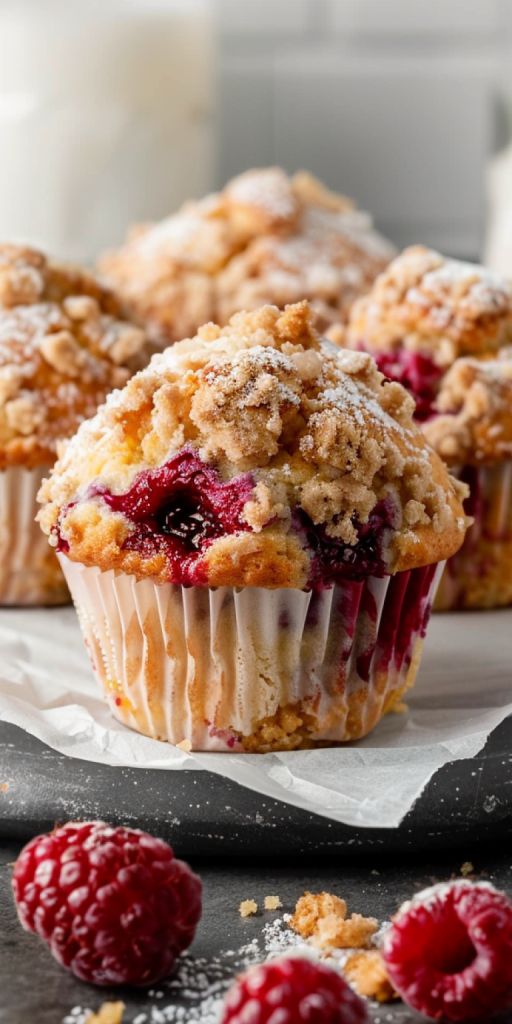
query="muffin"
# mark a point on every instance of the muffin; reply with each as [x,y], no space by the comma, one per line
[265,238]
[424,312]
[251,531]
[472,431]
[441,327]
[61,351]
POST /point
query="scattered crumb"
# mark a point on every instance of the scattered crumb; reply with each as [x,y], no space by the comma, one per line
[354,932]
[185,745]
[4,787]
[108,1013]
[248,908]
[322,917]
[367,974]
[272,903]
[311,908]
[467,868]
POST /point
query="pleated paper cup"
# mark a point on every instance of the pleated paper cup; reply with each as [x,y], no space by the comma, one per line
[29,571]
[479,575]
[252,669]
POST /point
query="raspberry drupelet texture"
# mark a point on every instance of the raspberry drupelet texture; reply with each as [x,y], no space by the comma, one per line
[266,238]
[254,455]
[448,952]
[293,990]
[63,348]
[114,904]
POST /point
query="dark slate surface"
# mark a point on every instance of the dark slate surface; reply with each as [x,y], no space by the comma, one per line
[33,988]
[243,846]
[204,815]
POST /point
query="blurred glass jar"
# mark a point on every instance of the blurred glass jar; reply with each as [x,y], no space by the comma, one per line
[105,117]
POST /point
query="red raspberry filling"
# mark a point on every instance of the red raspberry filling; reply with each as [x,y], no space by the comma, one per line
[114,904]
[292,990]
[418,373]
[449,952]
[182,507]
[334,561]
[179,509]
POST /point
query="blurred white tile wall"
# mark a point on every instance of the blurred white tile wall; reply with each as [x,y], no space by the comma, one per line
[395,102]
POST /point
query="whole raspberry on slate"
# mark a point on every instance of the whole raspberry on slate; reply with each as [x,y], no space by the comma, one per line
[114,904]
[292,990]
[448,951]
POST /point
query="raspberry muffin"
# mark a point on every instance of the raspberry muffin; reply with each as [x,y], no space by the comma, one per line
[472,431]
[265,238]
[441,328]
[61,351]
[251,531]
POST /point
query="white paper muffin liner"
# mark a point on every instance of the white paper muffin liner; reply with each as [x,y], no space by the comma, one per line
[479,575]
[29,571]
[252,669]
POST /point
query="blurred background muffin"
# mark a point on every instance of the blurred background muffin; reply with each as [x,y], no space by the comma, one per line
[472,431]
[442,328]
[258,511]
[265,238]
[62,350]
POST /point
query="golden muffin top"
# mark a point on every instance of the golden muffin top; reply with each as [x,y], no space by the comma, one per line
[62,349]
[256,454]
[473,425]
[426,302]
[265,238]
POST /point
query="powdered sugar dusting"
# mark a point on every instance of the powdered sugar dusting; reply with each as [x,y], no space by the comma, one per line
[427,897]
[268,189]
[203,982]
[464,282]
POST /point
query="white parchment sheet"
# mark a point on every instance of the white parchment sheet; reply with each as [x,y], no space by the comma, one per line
[463,692]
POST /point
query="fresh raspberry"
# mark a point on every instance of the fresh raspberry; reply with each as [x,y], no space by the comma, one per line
[114,904]
[448,951]
[292,990]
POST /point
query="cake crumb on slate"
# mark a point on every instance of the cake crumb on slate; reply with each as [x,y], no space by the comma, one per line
[108,1013]
[311,908]
[248,908]
[467,869]
[366,973]
[322,917]
[272,903]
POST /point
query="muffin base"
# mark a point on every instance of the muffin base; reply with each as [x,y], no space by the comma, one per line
[480,574]
[29,571]
[252,669]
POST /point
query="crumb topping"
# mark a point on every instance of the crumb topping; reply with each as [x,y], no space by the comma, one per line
[426,302]
[293,425]
[474,421]
[266,238]
[61,352]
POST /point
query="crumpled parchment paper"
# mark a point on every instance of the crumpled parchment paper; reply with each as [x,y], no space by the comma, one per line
[463,692]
